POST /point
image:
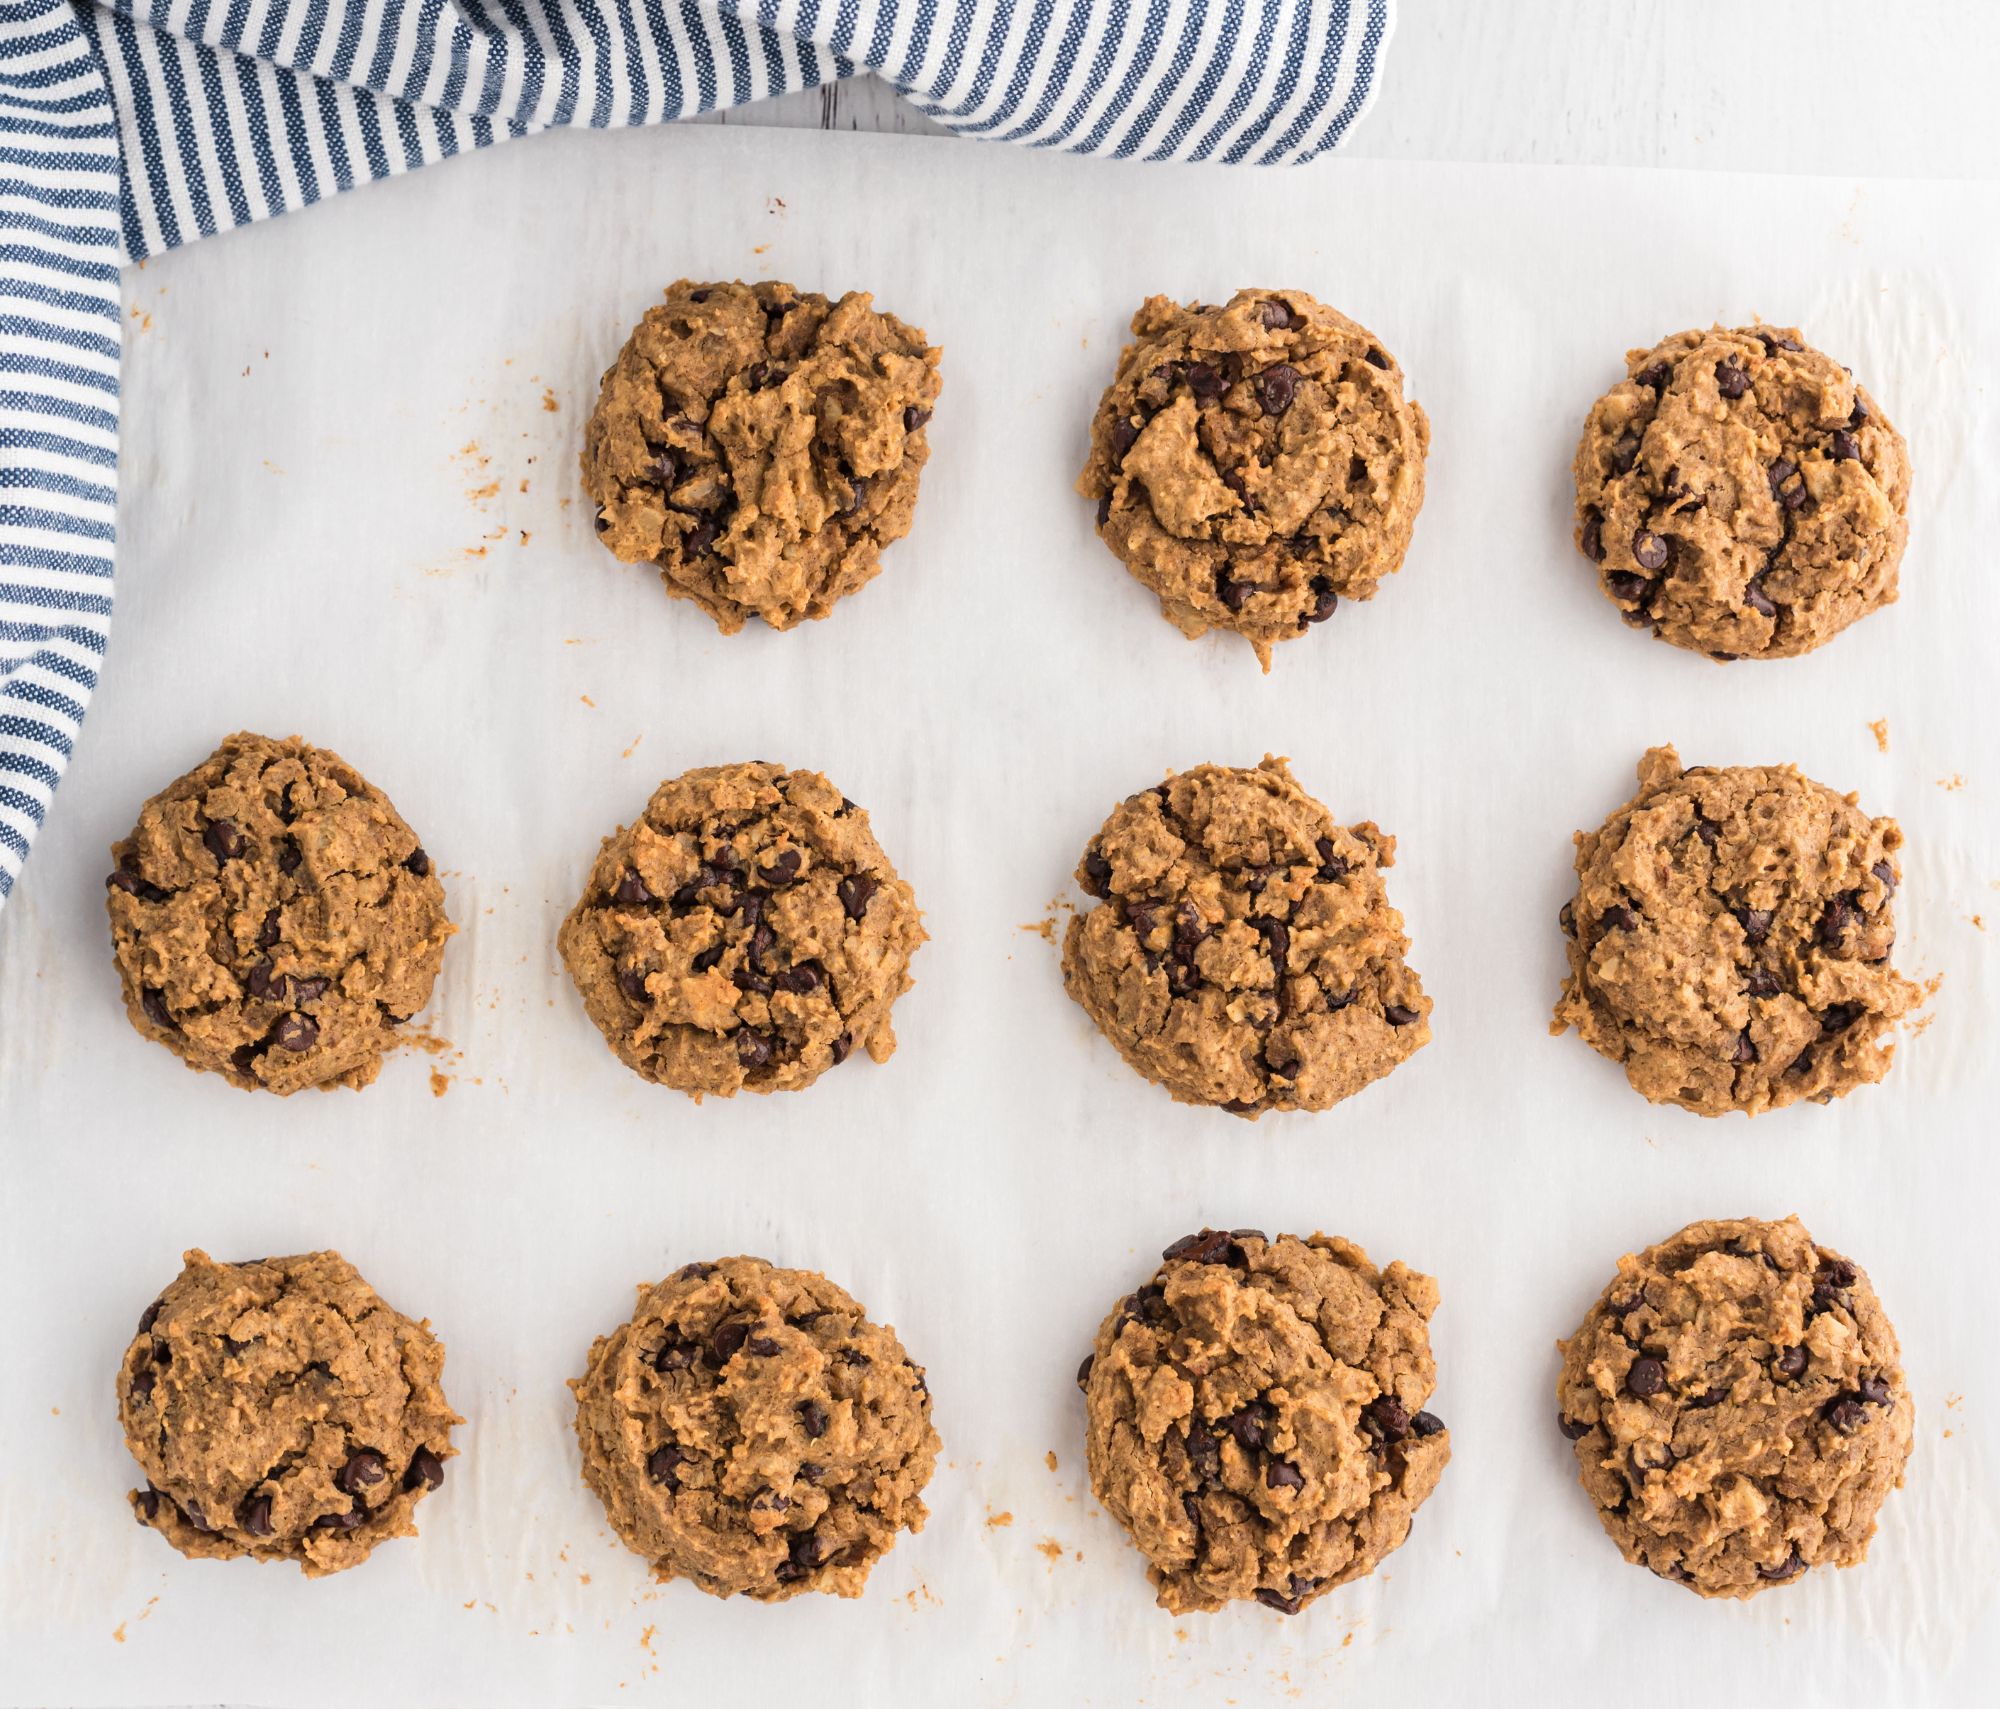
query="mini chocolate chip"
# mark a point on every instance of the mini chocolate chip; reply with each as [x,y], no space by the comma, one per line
[1648,1457]
[363,1470]
[1618,918]
[1874,1391]
[1845,1414]
[661,1464]
[1732,379]
[1773,342]
[675,1356]
[1274,314]
[1708,830]
[1780,472]
[1083,1370]
[306,990]
[841,1047]
[633,983]
[1426,1424]
[418,862]
[1566,918]
[855,892]
[154,1002]
[1758,600]
[1233,593]
[763,1346]
[1833,923]
[296,1033]
[1572,1428]
[1376,359]
[1649,550]
[425,1470]
[1627,588]
[800,981]
[632,890]
[1398,1016]
[1646,1377]
[700,537]
[1846,448]
[1096,874]
[1282,1474]
[753,1049]
[1387,1417]
[259,981]
[1840,1017]
[148,1503]
[289,855]
[1277,387]
[347,1521]
[256,1516]
[1886,874]
[1273,1599]
[812,1419]
[1325,600]
[1791,1361]
[1591,540]
[698,296]
[1839,1272]
[222,839]
[1206,381]
[1103,510]
[914,418]
[143,1380]
[1790,1567]
[1331,867]
[783,870]
[1277,940]
[1655,377]
[1710,1397]
[1124,435]
[726,1341]
[1625,452]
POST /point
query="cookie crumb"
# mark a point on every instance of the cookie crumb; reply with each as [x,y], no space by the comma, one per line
[1050,1547]
[1052,1459]
[440,1083]
[998,1521]
[1879,729]
[1043,929]
[549,402]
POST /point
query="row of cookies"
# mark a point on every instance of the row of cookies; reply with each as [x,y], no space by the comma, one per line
[1253,464]
[1256,1417]
[275,920]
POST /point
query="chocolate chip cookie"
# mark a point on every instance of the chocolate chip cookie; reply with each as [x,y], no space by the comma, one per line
[1737,1402]
[1729,939]
[1255,464]
[752,1431]
[281,1410]
[1244,952]
[747,932]
[273,918]
[760,445]
[1256,1417]
[1741,495]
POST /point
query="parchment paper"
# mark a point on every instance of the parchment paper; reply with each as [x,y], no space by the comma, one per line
[351,510]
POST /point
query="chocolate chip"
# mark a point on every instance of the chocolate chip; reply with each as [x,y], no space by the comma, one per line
[698,296]
[148,1503]
[1124,435]
[133,885]
[661,1464]
[726,1341]
[1840,1017]
[255,1515]
[1574,1429]
[1655,377]
[289,855]
[841,1047]
[1331,867]
[222,839]
[914,418]
[1248,1424]
[1233,593]
[1283,1604]
[1376,359]
[1627,588]
[801,981]
[1845,1414]
[1756,922]
[1732,379]
[1761,982]
[1398,1016]
[1274,314]
[154,1002]
[1325,600]
[307,990]
[1648,1457]
[1282,1474]
[1625,452]
[1277,387]
[1591,541]
[675,1356]
[1649,550]
[1426,1424]
[1210,1246]
[1791,1361]
[1096,874]
[260,983]
[701,536]
[783,870]
[1646,1377]
[1103,510]
[1790,1567]
[1618,918]
[151,1315]
[1833,923]
[296,1033]
[1874,1391]
[632,890]
[855,892]
[763,1346]
[425,1470]
[812,1419]
[1846,448]
[1839,1272]
[1083,1370]
[142,1382]
[347,1521]
[1775,341]
[753,1049]
[1758,600]
[1886,874]
[1859,413]
[1206,381]
[1277,940]
[633,983]
[1387,1417]
[1710,1397]
[362,1471]
[1566,918]
[418,862]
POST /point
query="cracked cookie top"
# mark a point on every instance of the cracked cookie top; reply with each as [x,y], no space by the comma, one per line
[1729,939]
[1256,463]
[752,1431]
[747,932]
[1244,952]
[281,1410]
[273,918]
[760,445]
[1737,1403]
[1256,1417]
[1741,495]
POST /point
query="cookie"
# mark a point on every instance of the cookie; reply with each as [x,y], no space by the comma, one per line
[1255,464]
[1256,1417]
[1741,495]
[1244,952]
[760,445]
[1737,1405]
[281,1409]
[751,1431]
[1729,939]
[273,918]
[747,932]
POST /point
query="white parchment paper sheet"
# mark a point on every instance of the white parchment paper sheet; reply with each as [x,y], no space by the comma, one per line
[351,510]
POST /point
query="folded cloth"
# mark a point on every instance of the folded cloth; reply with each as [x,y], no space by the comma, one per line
[131,127]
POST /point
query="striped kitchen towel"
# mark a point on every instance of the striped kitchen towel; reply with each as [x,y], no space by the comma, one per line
[132,126]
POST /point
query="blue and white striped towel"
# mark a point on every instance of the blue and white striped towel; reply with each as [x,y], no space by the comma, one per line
[132,126]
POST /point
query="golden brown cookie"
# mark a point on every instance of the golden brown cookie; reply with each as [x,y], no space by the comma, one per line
[1256,1417]
[752,1431]
[1244,952]
[1737,1402]
[1255,464]
[1741,495]
[1729,939]
[281,1410]
[747,932]
[760,445]
[273,918]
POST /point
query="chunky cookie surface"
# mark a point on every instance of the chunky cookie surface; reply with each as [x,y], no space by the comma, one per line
[760,445]
[281,1410]
[1738,1409]
[746,933]
[273,918]
[1256,1417]
[751,1431]
[1730,936]
[1255,463]
[1244,952]
[1741,495]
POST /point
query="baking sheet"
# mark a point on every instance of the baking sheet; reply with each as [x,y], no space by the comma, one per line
[351,510]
